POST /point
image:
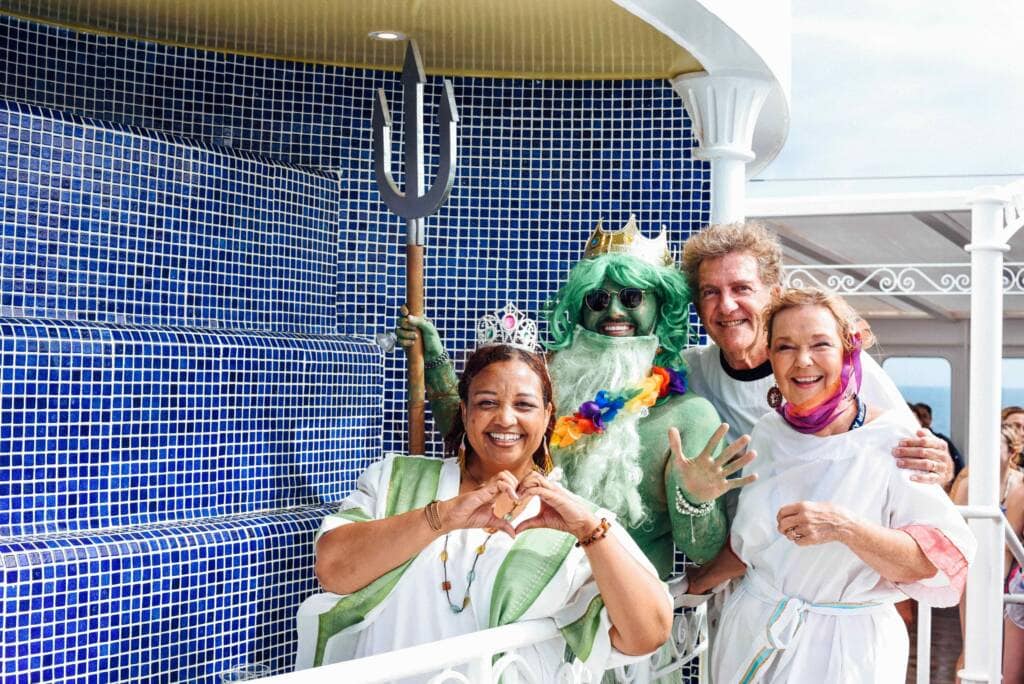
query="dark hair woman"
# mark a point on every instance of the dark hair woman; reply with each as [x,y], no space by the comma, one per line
[426,549]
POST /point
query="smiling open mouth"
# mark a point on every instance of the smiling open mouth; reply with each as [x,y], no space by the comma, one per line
[505,437]
[617,328]
[732,324]
[804,382]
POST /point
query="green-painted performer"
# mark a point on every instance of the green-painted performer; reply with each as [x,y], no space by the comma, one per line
[618,325]
[427,549]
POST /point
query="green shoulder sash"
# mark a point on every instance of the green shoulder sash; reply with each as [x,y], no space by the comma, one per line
[531,563]
[413,484]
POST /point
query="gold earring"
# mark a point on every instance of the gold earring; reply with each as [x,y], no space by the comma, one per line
[462,453]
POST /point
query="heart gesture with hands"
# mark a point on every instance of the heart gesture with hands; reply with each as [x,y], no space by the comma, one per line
[559,510]
[476,508]
[706,477]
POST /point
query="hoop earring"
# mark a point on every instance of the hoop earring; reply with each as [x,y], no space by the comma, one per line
[775,397]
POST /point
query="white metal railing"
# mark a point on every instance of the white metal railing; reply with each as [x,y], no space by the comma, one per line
[924,613]
[471,658]
[872,280]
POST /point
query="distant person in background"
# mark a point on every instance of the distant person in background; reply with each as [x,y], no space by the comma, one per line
[1013,627]
[1011,501]
[924,416]
[1013,416]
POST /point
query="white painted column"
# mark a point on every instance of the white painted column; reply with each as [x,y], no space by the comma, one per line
[724,107]
[983,644]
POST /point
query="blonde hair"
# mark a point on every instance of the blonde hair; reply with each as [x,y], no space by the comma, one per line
[1015,442]
[719,240]
[848,321]
[1010,410]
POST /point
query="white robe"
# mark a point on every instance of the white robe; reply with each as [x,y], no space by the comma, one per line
[417,611]
[821,634]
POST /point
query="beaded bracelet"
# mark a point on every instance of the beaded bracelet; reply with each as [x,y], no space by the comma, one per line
[686,508]
[438,361]
[598,534]
[433,517]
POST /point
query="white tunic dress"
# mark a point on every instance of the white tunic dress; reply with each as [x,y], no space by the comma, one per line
[819,613]
[417,610]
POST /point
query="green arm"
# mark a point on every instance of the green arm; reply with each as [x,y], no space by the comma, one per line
[442,384]
[443,396]
[700,538]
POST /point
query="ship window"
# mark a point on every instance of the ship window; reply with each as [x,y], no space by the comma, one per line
[924,379]
[1013,382]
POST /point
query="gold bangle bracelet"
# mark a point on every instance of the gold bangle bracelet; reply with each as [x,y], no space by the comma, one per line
[432,515]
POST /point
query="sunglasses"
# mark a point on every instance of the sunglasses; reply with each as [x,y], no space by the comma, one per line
[599,300]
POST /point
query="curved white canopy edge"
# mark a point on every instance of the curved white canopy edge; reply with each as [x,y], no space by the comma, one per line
[727,36]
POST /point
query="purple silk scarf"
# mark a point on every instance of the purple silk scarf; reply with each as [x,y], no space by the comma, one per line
[818,417]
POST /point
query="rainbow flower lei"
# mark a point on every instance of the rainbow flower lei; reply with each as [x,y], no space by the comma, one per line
[593,416]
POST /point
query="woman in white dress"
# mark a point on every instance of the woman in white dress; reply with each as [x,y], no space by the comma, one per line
[426,549]
[833,532]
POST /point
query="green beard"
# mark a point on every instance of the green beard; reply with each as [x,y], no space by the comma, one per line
[603,468]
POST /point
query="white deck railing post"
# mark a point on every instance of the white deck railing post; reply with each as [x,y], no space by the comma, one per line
[983,642]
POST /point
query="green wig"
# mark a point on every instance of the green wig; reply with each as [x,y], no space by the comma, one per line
[666,282]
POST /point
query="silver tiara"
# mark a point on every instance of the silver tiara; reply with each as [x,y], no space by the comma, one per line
[507,326]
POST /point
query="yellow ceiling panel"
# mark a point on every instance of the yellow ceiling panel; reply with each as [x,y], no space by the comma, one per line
[523,38]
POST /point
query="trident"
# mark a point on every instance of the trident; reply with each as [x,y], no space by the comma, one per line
[414,204]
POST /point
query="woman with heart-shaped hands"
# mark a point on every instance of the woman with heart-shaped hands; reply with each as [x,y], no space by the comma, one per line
[427,548]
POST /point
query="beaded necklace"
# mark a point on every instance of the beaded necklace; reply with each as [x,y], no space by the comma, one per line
[446,585]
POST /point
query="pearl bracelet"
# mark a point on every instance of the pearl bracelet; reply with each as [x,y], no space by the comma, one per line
[684,507]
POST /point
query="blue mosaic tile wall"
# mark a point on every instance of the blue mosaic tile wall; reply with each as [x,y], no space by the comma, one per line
[194,263]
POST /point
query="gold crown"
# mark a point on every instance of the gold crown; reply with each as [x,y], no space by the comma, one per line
[629,241]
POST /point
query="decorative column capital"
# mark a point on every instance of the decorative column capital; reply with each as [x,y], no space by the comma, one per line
[723,108]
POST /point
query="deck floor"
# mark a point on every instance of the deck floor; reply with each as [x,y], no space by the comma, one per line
[946,645]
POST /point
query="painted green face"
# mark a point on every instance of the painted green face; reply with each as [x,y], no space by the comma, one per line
[617,319]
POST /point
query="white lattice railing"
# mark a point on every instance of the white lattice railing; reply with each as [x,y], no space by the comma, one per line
[470,658]
[897,279]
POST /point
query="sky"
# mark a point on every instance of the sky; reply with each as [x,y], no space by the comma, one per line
[907,88]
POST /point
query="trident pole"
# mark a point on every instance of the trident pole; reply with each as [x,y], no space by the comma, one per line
[984,629]
[414,204]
